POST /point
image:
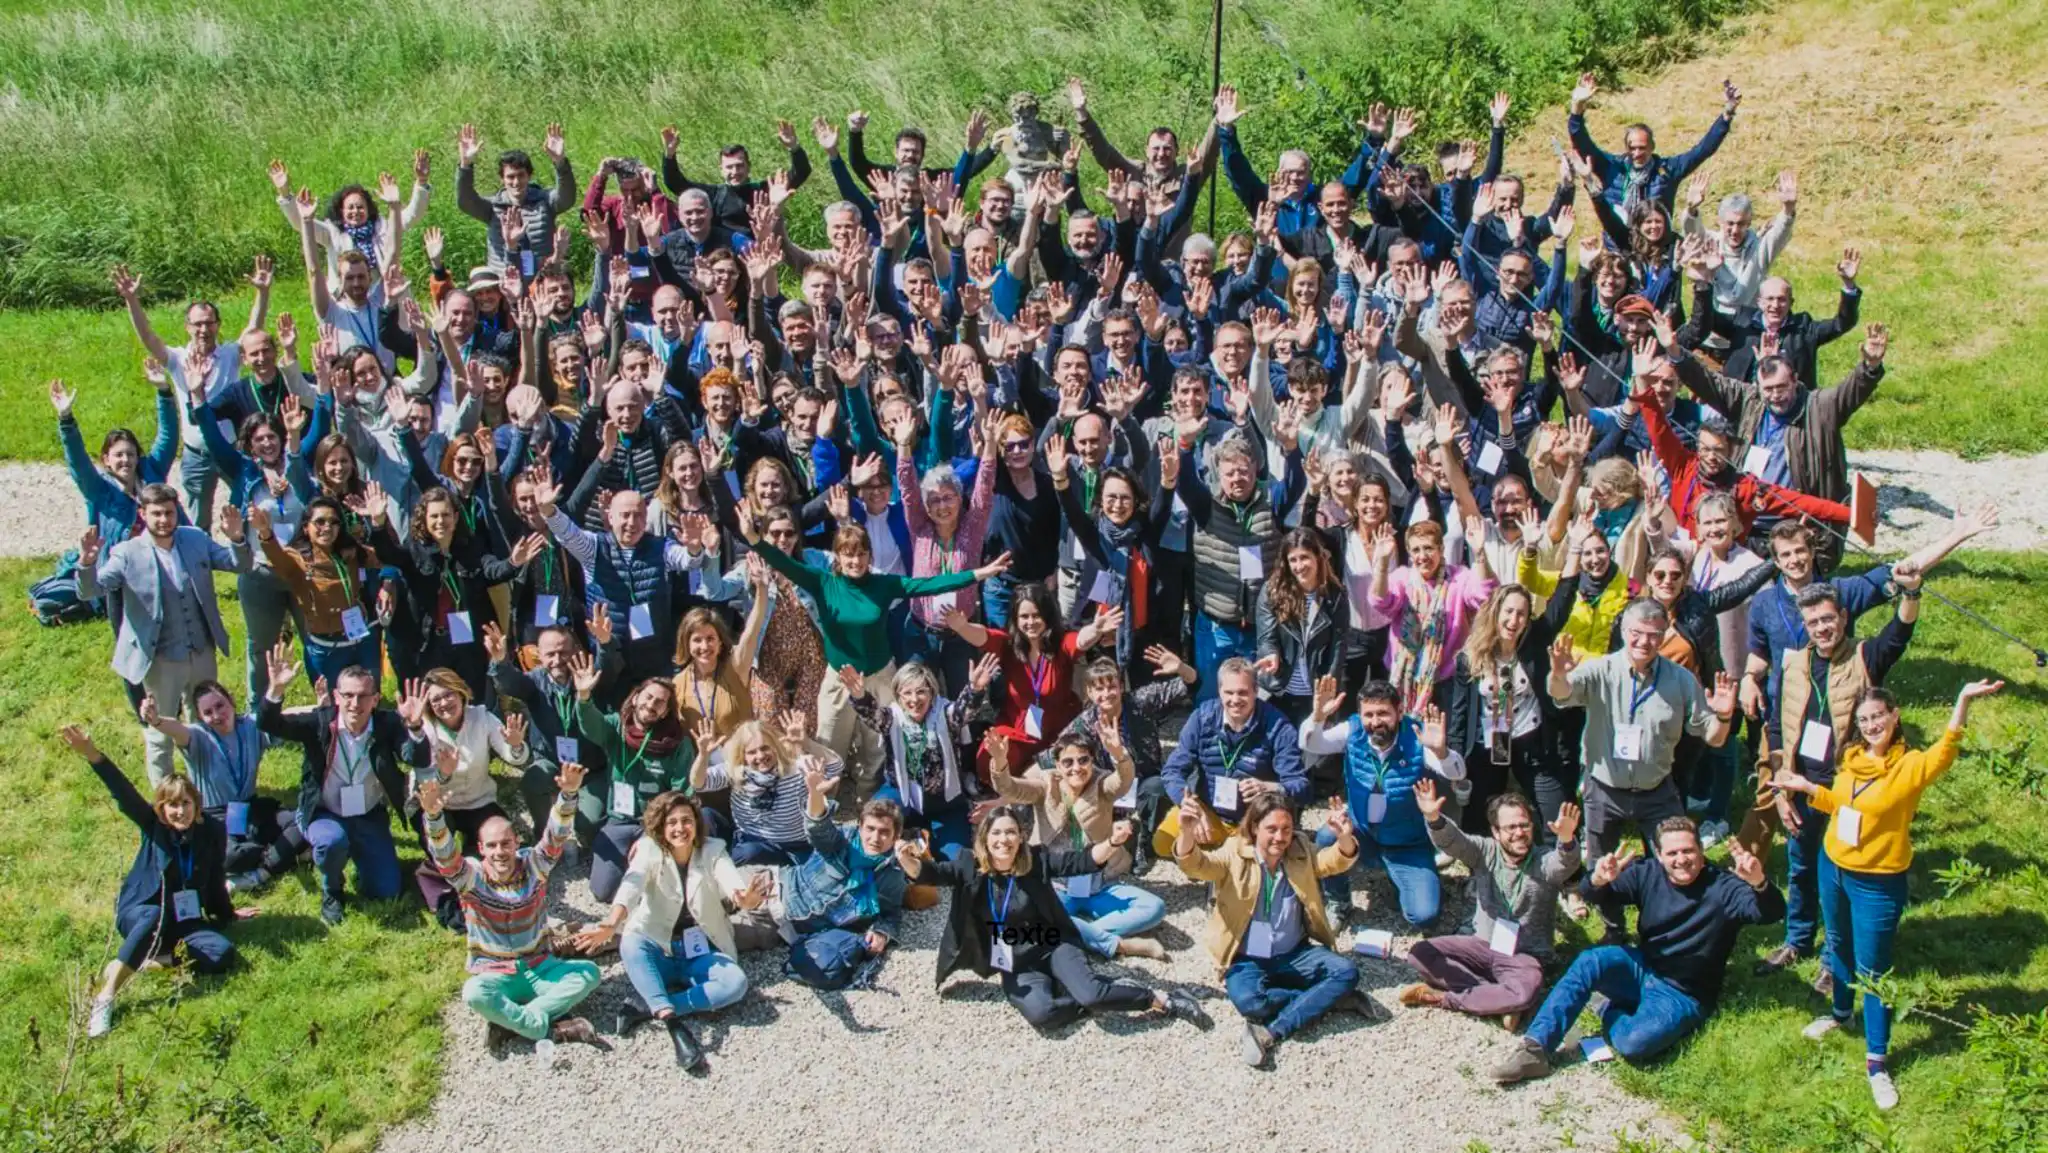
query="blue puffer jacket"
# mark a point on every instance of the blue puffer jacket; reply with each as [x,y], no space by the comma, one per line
[1366,772]
[625,578]
[1268,750]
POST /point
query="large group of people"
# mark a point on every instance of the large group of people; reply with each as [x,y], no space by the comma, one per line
[1020,540]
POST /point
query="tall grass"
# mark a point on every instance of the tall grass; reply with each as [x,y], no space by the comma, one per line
[137,131]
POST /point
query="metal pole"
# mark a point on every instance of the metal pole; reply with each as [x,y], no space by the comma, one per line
[1215,83]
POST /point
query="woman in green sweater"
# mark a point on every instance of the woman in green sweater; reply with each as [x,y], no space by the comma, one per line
[853,609]
[647,752]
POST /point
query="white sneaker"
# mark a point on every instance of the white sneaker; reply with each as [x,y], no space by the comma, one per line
[101,1022]
[1819,1028]
[1883,1091]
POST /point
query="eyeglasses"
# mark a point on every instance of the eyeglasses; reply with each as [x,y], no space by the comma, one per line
[1666,576]
[322,522]
[1017,446]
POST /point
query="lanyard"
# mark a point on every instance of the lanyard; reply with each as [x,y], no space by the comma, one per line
[1856,791]
[1269,884]
[185,864]
[232,740]
[1819,680]
[565,712]
[348,594]
[449,582]
[639,754]
[1638,695]
[350,766]
[697,692]
[1229,755]
[1520,880]
[1003,914]
[469,514]
[1039,673]
[1243,514]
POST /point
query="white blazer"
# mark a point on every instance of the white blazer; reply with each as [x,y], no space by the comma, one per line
[654,889]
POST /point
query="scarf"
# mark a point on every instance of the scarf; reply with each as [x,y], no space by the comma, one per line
[1592,587]
[1123,547]
[1421,649]
[364,236]
[1612,522]
[664,738]
[860,878]
[932,731]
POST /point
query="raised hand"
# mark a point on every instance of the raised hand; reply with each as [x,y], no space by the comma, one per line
[982,673]
[1562,659]
[1435,733]
[412,703]
[856,684]
[494,643]
[1566,826]
[282,668]
[1328,698]
[1429,801]
[570,779]
[1583,93]
[1876,339]
[1851,262]
[1745,865]
[554,144]
[1611,865]
[583,674]
[466,145]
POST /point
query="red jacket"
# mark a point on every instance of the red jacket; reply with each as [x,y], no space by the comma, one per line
[1754,497]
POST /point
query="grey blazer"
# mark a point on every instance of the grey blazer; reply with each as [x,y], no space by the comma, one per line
[130,569]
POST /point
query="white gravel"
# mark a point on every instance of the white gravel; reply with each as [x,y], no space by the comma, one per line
[1918,493]
[791,1068]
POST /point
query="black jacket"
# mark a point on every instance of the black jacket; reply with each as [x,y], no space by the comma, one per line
[1462,724]
[470,572]
[315,733]
[1799,339]
[1322,646]
[965,942]
[161,859]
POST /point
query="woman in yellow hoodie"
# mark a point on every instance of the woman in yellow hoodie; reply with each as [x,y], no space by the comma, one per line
[1873,798]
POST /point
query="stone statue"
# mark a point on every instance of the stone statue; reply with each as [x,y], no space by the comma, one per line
[1032,145]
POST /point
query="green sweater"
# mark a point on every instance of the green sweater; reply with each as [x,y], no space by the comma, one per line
[853,613]
[645,777]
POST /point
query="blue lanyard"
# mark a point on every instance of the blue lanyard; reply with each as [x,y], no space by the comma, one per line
[185,866]
[232,740]
[1639,695]
[999,916]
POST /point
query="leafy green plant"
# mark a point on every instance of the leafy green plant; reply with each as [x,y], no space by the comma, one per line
[1960,874]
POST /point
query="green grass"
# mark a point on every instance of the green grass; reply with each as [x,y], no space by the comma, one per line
[375,987]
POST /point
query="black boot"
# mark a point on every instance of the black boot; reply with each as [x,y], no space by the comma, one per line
[1141,855]
[689,1054]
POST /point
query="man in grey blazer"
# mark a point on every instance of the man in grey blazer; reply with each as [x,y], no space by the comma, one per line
[170,622]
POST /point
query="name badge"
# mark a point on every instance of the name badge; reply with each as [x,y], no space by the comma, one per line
[227,430]
[1103,591]
[696,943]
[1127,800]
[355,800]
[185,904]
[565,750]
[1505,934]
[1848,826]
[641,621]
[1034,723]
[1628,742]
[1373,943]
[459,630]
[238,818]
[1596,1049]
[639,272]
[1258,939]
[1814,741]
[1223,792]
[1375,808]
[1080,550]
[1756,460]
[1251,565]
[622,798]
[547,610]
[913,795]
[353,626]
[1488,460]
[1499,750]
[284,532]
[1082,887]
[999,955]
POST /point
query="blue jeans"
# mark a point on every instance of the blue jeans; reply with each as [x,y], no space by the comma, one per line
[749,849]
[1714,777]
[1288,993]
[1645,1014]
[266,605]
[952,832]
[996,594]
[1216,642]
[702,985]
[943,652]
[1411,868]
[1803,855]
[1106,916]
[326,660]
[366,840]
[1862,911]
[198,476]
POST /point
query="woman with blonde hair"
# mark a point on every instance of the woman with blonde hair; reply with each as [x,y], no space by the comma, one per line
[176,891]
[924,736]
[763,765]
[1500,716]
[678,946]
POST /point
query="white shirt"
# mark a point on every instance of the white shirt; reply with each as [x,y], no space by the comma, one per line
[1709,574]
[227,368]
[471,787]
[882,543]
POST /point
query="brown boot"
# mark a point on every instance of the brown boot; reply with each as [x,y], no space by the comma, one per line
[920,896]
[1419,995]
[577,1031]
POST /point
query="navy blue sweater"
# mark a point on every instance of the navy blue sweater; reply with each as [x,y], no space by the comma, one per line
[1687,934]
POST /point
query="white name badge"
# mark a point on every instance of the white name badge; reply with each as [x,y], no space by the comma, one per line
[1596,1049]
[1848,826]
[547,610]
[1258,939]
[640,620]
[913,795]
[1814,740]
[1488,460]
[284,532]
[1082,887]
[639,272]
[1127,800]
[459,631]
[185,904]
[1505,934]
[1373,943]
[697,582]
[353,625]
[1080,551]
[1375,808]
[355,800]
[1251,565]
[1103,591]
[1628,742]
[1756,460]
[565,750]
[999,955]
[1034,723]
[1223,792]
[238,818]
[696,943]
[622,798]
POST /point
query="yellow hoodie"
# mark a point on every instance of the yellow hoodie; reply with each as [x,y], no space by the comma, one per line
[1885,792]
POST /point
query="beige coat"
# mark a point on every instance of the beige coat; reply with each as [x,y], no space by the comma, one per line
[1093,812]
[1233,867]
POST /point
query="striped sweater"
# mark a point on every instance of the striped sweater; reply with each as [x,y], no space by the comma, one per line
[505,921]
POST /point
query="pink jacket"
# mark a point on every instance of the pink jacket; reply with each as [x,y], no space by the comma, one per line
[1466,593]
[928,557]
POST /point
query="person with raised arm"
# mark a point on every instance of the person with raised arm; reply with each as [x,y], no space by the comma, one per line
[1135,714]
[649,752]
[223,752]
[175,894]
[528,209]
[439,712]
[924,735]
[1232,750]
[1638,174]
[111,485]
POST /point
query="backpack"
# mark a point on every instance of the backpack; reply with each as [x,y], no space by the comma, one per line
[55,600]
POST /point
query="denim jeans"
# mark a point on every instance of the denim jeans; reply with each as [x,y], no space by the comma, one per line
[1108,915]
[325,659]
[1411,868]
[1216,642]
[942,651]
[610,850]
[700,985]
[366,840]
[1804,851]
[530,999]
[996,594]
[750,849]
[1713,778]
[1288,993]
[1645,1014]
[952,832]
[1862,912]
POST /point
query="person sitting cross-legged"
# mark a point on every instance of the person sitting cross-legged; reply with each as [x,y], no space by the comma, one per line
[514,983]
[1689,914]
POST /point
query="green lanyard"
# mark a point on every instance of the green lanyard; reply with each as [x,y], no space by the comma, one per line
[1269,884]
[1520,880]
[639,754]
[547,566]
[565,712]
[348,596]
[1089,479]
[1819,678]
[1243,515]
[454,586]
[1231,756]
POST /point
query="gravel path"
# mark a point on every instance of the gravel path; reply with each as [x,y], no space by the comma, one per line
[1917,494]
[791,1068]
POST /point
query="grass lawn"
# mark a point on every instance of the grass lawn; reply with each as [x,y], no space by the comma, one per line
[375,987]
